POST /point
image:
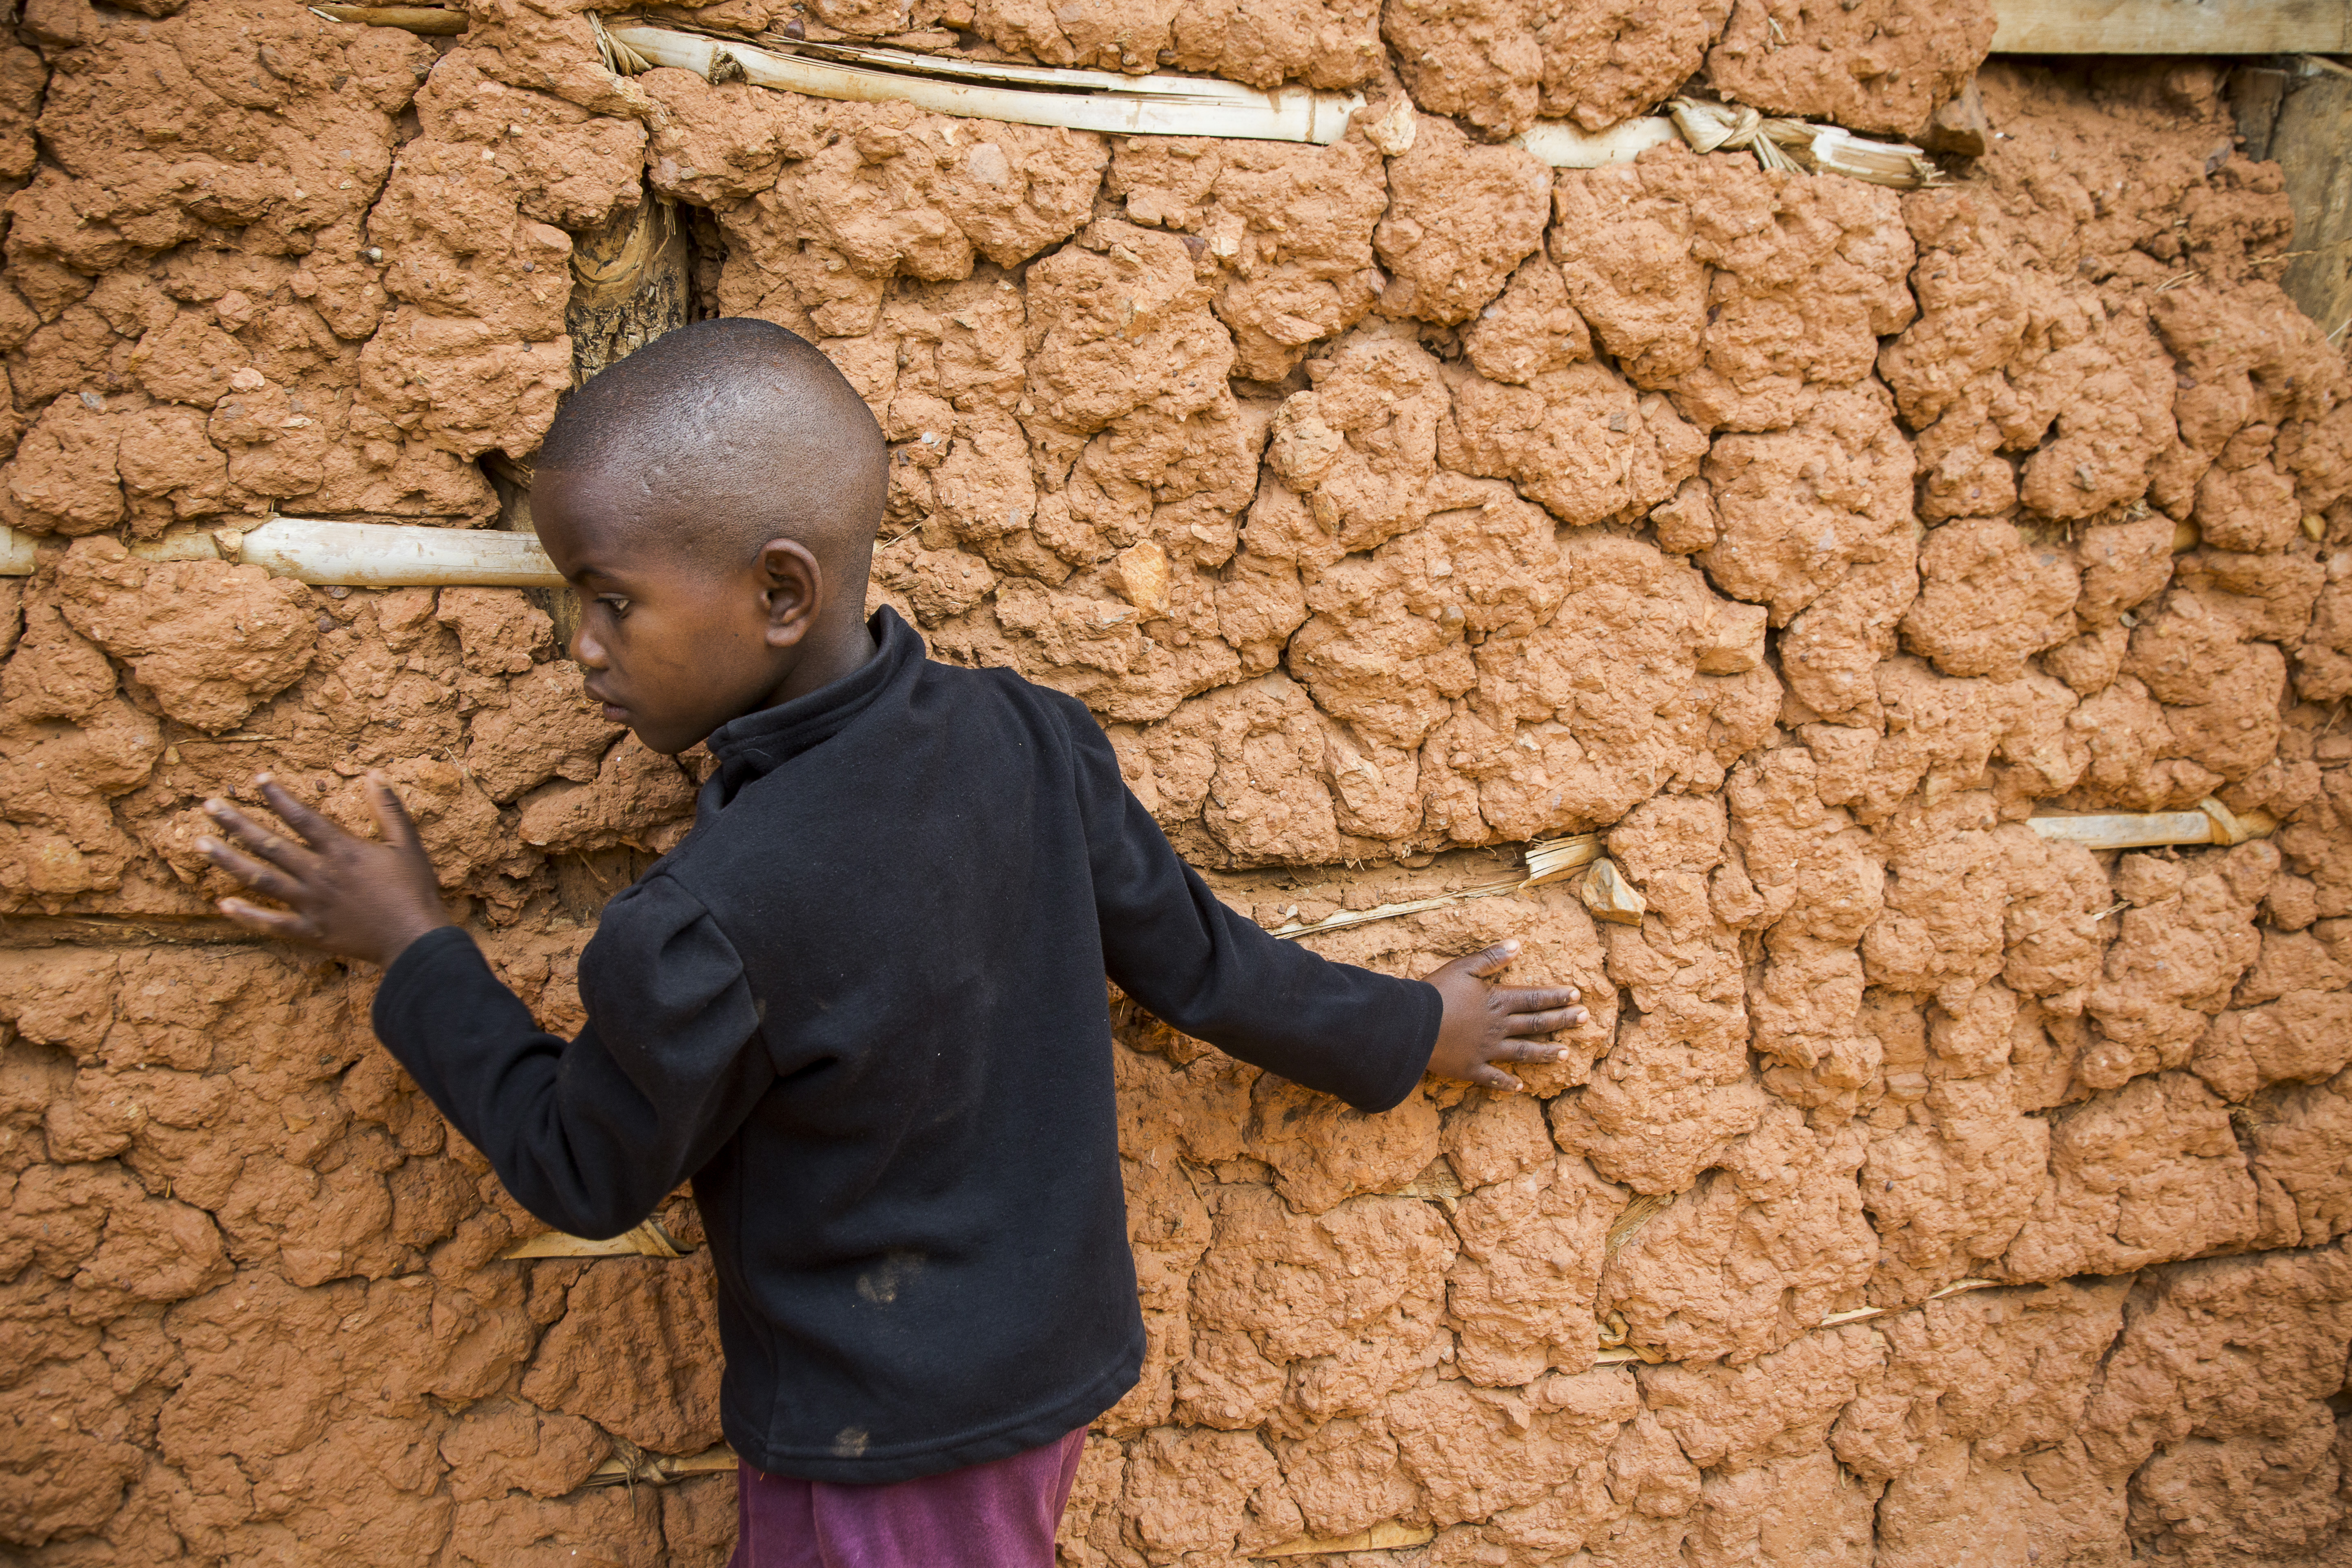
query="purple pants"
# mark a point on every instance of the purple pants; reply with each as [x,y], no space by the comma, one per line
[1001,1514]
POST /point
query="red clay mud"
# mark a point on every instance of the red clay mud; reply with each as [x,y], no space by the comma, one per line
[1392,507]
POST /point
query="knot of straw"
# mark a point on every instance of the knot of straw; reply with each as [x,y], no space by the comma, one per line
[1797,147]
[618,57]
[1733,127]
[1709,127]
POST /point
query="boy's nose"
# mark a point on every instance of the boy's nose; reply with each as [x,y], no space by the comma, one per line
[586,651]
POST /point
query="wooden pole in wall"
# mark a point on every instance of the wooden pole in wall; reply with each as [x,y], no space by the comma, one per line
[2173,27]
[2298,113]
[629,285]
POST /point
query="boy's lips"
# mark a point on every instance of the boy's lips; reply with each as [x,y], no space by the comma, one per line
[613,712]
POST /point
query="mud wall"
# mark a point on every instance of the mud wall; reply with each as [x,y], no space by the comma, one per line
[1391,510]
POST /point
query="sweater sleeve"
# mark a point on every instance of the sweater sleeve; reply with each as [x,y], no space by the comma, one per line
[1173,945]
[589,1134]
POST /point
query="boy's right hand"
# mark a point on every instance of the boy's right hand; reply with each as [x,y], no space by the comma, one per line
[1484,1024]
[356,898]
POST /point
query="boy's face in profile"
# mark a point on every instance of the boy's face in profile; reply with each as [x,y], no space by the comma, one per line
[673,646]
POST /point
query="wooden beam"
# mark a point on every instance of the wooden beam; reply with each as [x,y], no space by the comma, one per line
[2210,823]
[362,554]
[2298,114]
[2173,27]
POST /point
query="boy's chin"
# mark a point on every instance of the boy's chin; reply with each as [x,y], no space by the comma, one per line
[667,744]
[668,739]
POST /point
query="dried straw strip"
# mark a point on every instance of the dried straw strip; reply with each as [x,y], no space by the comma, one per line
[429,21]
[1163,106]
[1614,1356]
[633,1465]
[1546,860]
[648,1240]
[1379,1537]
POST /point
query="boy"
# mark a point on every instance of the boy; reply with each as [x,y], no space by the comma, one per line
[862,1004]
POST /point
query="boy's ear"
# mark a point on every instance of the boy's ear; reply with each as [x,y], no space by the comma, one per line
[792,588]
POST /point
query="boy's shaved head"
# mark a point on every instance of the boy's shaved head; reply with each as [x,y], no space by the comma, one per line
[720,436]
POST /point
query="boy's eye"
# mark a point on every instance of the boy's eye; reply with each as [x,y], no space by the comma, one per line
[618,604]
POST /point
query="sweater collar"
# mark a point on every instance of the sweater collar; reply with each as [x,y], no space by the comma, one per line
[764,740]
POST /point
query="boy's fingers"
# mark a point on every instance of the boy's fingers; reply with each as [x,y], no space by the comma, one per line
[1495,960]
[392,818]
[1516,1000]
[1527,1053]
[315,829]
[270,846]
[258,875]
[1544,1023]
[271,923]
[1489,1076]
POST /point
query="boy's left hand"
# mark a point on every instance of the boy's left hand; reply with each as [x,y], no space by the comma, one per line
[357,898]
[1485,1023]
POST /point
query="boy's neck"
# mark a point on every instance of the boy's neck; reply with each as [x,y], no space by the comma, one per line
[835,654]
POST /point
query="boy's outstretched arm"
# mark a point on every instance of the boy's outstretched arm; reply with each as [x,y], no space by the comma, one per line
[589,1134]
[1174,946]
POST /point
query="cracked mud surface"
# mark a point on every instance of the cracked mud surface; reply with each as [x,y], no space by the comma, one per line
[1801,537]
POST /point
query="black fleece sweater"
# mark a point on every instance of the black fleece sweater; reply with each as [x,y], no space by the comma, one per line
[862,1005]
